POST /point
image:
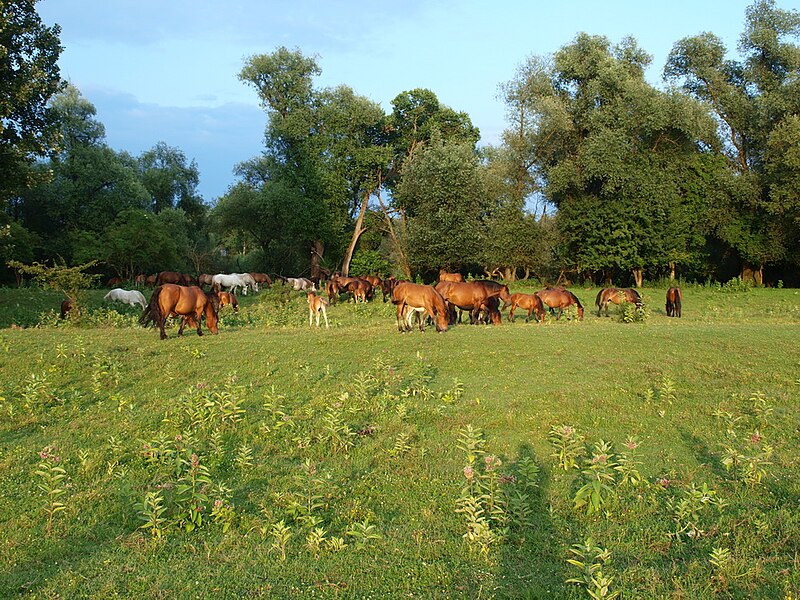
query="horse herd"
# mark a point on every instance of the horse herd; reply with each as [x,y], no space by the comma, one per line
[177,294]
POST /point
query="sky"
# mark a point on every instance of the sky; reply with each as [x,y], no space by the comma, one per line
[168,71]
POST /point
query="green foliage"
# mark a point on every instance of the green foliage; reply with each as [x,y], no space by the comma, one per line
[567,446]
[369,262]
[70,281]
[51,482]
[591,560]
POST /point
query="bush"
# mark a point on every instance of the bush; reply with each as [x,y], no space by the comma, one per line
[369,262]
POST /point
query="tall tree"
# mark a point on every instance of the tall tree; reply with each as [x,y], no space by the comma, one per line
[29,77]
[171,182]
[756,102]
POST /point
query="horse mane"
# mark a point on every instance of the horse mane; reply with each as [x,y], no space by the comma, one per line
[575,298]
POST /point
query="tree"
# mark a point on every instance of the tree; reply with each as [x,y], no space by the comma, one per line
[29,77]
[756,103]
[442,192]
[71,281]
[617,157]
[170,181]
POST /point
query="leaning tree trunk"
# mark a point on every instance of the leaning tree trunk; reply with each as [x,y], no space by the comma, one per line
[752,273]
[348,256]
[672,271]
[638,275]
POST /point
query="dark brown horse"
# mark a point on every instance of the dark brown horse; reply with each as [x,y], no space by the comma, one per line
[530,302]
[332,289]
[374,280]
[114,282]
[387,285]
[169,277]
[560,298]
[188,279]
[228,299]
[66,307]
[617,296]
[408,296]
[189,303]
[470,296]
[674,297]
[490,311]
[204,279]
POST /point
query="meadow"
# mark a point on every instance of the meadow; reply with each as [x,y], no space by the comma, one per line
[571,459]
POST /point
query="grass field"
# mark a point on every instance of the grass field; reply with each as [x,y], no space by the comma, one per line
[275,460]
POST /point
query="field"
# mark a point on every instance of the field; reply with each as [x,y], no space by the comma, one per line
[277,460]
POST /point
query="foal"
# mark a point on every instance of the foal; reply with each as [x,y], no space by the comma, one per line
[316,305]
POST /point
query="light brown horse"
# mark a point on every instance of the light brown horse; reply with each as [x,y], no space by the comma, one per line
[455,277]
[470,296]
[190,303]
[150,280]
[674,297]
[374,280]
[228,299]
[169,277]
[262,279]
[316,305]
[617,296]
[139,280]
[530,302]
[560,298]
[204,279]
[415,296]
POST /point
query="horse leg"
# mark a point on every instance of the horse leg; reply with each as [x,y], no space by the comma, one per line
[558,315]
[511,313]
[161,322]
[528,318]
[400,317]
[324,314]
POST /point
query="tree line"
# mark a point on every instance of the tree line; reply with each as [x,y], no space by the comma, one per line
[599,176]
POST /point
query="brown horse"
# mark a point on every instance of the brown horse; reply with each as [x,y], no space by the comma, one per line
[228,299]
[490,311]
[66,307]
[316,305]
[407,295]
[560,298]
[139,280]
[188,279]
[617,296]
[169,277]
[387,285]
[530,302]
[204,279]
[114,282]
[150,280]
[374,280]
[262,279]
[454,277]
[190,303]
[674,297]
[471,295]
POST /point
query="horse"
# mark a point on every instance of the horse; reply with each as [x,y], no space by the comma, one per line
[332,289]
[674,297]
[373,280]
[408,295]
[360,288]
[489,311]
[188,279]
[66,307]
[301,284]
[316,305]
[233,281]
[139,280]
[454,277]
[169,277]
[228,299]
[132,297]
[387,285]
[190,303]
[617,296]
[560,298]
[530,302]
[150,280]
[471,295]
[114,281]
[204,279]
[262,279]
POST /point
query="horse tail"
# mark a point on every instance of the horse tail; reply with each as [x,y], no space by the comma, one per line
[151,313]
[599,297]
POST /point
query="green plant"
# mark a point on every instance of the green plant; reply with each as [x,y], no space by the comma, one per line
[599,471]
[362,532]
[281,534]
[151,511]
[336,433]
[51,478]
[628,463]
[688,510]
[315,540]
[191,493]
[591,560]
[632,313]
[567,446]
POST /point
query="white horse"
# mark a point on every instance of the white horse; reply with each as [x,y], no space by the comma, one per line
[234,281]
[132,297]
[301,284]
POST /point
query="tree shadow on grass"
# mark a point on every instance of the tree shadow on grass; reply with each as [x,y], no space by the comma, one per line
[531,559]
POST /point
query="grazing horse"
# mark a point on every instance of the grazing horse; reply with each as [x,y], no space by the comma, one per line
[169,277]
[674,297]
[472,295]
[560,298]
[114,281]
[150,280]
[617,296]
[262,279]
[139,280]
[300,284]
[233,281]
[190,303]
[408,295]
[316,305]
[530,302]
[455,277]
[132,297]
[66,307]
[228,299]
[360,288]
[387,285]
[204,279]
[188,279]
[373,280]
[490,311]
[332,289]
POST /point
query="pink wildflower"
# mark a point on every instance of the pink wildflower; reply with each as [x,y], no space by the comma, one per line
[469,472]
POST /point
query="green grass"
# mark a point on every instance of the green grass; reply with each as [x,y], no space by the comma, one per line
[99,391]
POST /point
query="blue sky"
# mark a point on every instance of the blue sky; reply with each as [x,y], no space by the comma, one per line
[167,71]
